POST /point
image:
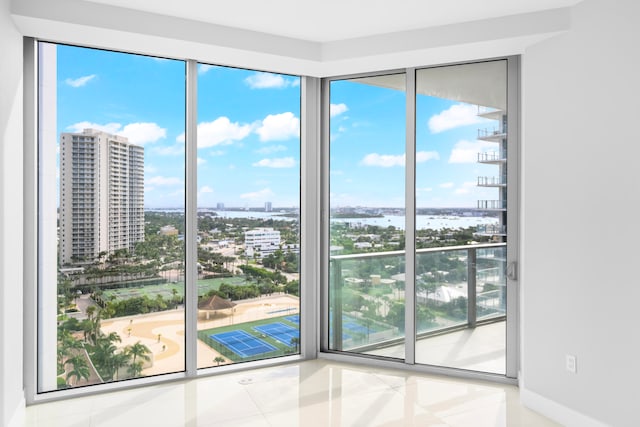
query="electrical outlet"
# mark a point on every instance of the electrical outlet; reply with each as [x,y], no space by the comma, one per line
[571,365]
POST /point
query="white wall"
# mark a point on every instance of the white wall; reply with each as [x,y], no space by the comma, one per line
[581,182]
[11,394]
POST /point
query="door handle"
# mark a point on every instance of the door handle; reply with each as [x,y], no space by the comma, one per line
[512,271]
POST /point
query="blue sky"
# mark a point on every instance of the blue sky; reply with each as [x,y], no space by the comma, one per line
[248,133]
[367,164]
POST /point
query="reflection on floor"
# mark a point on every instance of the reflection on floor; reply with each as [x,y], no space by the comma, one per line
[479,349]
[311,394]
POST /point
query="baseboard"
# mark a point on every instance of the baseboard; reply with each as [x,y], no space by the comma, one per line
[18,417]
[558,413]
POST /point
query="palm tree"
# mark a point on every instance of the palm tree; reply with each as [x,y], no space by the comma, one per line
[119,360]
[113,337]
[102,354]
[91,311]
[219,360]
[66,343]
[138,350]
[87,329]
[135,369]
[79,369]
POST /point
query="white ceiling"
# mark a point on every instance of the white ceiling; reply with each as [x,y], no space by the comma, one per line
[332,20]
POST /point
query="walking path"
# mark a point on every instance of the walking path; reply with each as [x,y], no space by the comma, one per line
[163,332]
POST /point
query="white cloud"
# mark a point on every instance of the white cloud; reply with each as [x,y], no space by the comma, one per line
[163,181]
[109,127]
[467,151]
[172,150]
[80,81]
[271,149]
[204,68]
[337,109]
[424,190]
[221,131]
[178,193]
[137,133]
[201,160]
[383,160]
[284,162]
[205,189]
[466,188]
[425,156]
[390,160]
[447,185]
[262,80]
[278,127]
[143,133]
[456,116]
[263,195]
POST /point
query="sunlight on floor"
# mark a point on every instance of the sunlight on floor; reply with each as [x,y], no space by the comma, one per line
[313,393]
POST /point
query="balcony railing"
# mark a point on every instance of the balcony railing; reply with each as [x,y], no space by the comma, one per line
[491,230]
[492,204]
[492,157]
[494,134]
[492,181]
[456,287]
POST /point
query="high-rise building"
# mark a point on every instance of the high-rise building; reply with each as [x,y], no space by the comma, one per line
[268,207]
[498,158]
[101,195]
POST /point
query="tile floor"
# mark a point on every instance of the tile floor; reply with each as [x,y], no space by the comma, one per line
[479,349]
[314,393]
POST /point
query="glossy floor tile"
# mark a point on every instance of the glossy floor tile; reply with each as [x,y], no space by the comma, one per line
[480,349]
[309,394]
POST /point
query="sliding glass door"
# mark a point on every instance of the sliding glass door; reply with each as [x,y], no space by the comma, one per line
[450,244]
[461,221]
[367,215]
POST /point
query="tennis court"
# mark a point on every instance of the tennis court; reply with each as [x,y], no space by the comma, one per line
[357,328]
[279,332]
[242,344]
[293,319]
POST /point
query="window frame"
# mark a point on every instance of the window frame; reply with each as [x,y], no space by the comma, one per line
[314,232]
[513,209]
[309,205]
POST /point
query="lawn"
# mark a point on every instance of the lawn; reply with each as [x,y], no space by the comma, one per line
[166,289]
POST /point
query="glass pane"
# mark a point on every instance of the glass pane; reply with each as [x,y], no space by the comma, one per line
[111,206]
[248,215]
[367,198]
[461,203]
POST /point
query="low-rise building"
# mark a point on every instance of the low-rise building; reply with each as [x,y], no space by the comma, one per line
[261,242]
